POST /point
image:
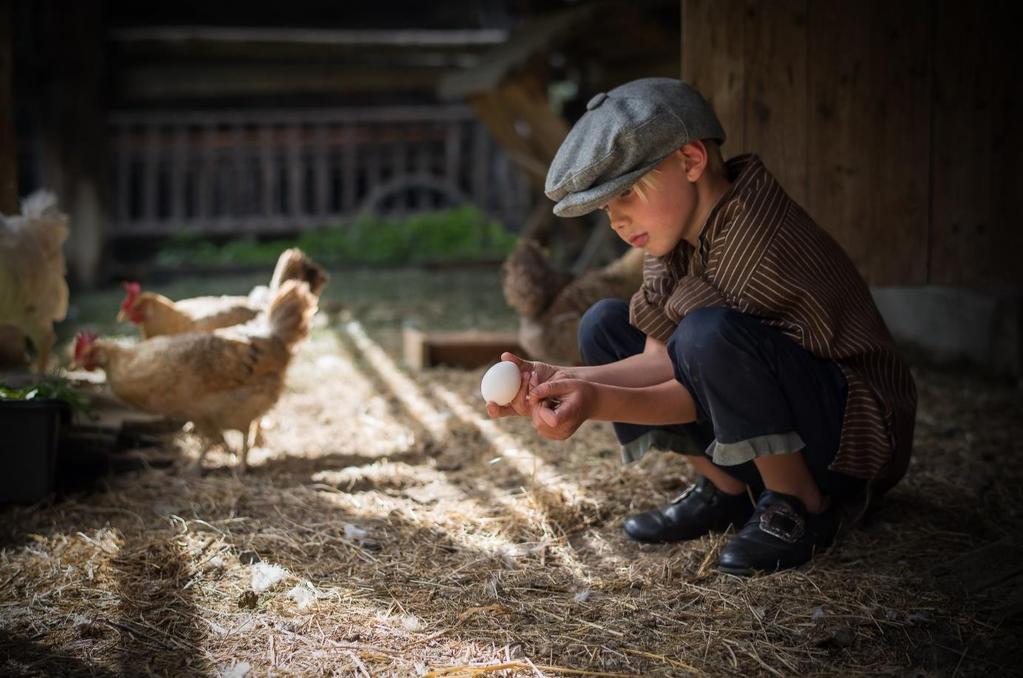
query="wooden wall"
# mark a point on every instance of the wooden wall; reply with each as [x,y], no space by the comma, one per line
[895,123]
[8,151]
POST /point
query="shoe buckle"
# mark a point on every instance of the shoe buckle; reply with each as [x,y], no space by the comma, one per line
[781,521]
[685,493]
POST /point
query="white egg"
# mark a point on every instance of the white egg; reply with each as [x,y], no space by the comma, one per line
[501,383]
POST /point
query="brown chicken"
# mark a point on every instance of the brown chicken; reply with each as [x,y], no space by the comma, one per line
[33,291]
[221,380]
[550,303]
[156,315]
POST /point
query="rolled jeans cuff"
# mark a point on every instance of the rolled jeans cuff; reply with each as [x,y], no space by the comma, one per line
[731,454]
[662,439]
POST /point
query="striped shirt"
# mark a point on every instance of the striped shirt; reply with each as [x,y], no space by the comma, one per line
[760,253]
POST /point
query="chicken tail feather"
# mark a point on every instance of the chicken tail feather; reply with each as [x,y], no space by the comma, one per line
[294,264]
[291,311]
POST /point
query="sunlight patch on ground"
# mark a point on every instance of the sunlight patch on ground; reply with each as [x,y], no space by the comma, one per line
[508,449]
[321,384]
[404,388]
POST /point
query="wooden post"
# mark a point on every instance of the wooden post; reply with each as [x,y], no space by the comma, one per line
[453,152]
[295,155]
[267,171]
[240,200]
[422,196]
[321,174]
[8,147]
[179,176]
[349,201]
[151,158]
[73,127]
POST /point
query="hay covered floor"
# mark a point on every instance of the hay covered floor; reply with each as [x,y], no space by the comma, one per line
[387,528]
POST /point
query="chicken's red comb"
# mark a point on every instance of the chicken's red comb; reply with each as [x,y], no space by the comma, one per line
[83,340]
[131,292]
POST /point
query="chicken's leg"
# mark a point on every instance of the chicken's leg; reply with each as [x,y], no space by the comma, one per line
[43,342]
[210,437]
[249,436]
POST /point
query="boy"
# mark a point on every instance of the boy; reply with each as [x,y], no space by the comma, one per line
[753,345]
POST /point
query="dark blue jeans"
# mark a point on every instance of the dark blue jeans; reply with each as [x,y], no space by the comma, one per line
[757,392]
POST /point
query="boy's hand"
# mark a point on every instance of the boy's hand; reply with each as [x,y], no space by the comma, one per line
[532,373]
[561,406]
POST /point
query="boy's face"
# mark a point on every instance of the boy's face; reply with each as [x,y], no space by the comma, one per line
[665,217]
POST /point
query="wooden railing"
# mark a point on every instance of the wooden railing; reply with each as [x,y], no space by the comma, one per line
[242,172]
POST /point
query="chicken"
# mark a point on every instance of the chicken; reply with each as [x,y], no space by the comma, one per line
[156,315]
[33,291]
[221,380]
[550,303]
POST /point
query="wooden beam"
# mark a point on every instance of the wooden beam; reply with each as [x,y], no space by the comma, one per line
[457,349]
[713,62]
[519,116]
[776,94]
[73,127]
[8,145]
[975,234]
[149,82]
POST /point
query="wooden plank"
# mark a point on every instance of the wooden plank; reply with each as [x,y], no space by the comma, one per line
[239,201]
[456,349]
[150,173]
[1006,141]
[713,61]
[518,115]
[267,171]
[321,171]
[494,114]
[839,129]
[207,167]
[961,197]
[365,114]
[479,169]
[453,152]
[892,243]
[122,182]
[295,174]
[415,348]
[374,166]
[532,120]
[349,167]
[8,142]
[423,167]
[776,109]
[179,174]
[399,164]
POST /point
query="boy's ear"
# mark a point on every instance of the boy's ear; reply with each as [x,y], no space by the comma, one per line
[694,159]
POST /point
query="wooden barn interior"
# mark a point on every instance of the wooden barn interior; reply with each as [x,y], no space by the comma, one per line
[387,523]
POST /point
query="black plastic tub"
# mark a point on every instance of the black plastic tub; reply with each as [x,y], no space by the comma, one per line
[30,433]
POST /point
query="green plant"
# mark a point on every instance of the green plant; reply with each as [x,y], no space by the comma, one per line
[459,234]
[48,388]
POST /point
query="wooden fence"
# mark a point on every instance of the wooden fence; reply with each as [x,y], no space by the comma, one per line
[261,172]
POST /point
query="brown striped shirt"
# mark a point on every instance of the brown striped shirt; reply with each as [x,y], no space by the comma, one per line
[761,253]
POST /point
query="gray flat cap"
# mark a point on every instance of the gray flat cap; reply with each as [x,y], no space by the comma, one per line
[622,135]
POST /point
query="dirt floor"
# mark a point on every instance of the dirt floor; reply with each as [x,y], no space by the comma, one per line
[387,528]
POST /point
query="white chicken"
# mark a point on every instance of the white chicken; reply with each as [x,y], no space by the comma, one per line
[33,290]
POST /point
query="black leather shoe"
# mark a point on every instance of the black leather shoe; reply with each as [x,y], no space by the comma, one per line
[702,508]
[780,534]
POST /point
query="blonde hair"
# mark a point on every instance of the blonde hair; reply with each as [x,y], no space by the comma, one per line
[651,180]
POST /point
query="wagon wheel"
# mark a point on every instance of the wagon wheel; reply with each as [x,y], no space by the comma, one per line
[408,183]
